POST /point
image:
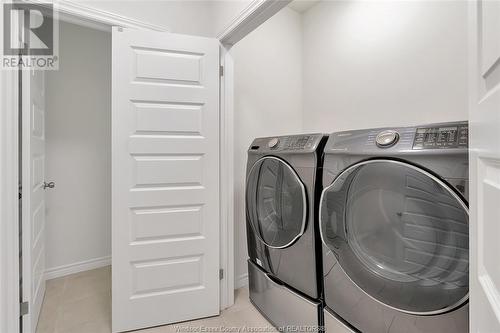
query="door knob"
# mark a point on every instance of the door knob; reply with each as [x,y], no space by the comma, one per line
[48,185]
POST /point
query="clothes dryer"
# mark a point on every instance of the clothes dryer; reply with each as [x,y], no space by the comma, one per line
[283,237]
[394,223]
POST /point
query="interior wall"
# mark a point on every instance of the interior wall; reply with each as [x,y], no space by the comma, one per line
[372,64]
[267,102]
[225,12]
[78,148]
[193,17]
[180,16]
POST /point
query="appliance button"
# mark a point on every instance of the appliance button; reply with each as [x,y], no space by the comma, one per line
[273,143]
[387,138]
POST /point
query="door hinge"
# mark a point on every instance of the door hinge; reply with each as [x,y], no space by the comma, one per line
[25,308]
[221,274]
[221,70]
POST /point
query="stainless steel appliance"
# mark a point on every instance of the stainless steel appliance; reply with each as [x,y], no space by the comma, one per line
[283,239]
[395,230]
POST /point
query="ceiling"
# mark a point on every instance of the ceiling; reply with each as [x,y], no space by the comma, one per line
[301,6]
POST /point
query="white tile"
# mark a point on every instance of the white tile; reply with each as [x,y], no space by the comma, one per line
[81,303]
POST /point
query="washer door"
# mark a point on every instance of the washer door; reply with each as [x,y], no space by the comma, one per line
[400,234]
[276,202]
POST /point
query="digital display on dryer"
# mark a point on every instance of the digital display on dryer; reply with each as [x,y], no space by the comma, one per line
[441,137]
[298,142]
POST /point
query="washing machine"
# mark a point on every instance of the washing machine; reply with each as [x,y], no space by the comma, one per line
[394,223]
[284,246]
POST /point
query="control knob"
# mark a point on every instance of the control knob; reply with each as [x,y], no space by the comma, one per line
[387,138]
[273,143]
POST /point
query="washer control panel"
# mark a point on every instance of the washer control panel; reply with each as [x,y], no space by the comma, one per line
[454,136]
[384,141]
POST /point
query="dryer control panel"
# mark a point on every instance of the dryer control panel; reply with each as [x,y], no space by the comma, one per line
[453,136]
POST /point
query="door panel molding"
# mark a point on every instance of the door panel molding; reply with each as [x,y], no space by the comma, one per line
[164,278]
[488,193]
[484,158]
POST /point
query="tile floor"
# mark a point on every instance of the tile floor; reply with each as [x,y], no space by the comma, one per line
[81,303]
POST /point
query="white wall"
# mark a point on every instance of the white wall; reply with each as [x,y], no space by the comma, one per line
[370,64]
[180,16]
[268,101]
[78,148]
[194,17]
[225,12]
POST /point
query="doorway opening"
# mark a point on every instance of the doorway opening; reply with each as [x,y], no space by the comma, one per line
[165,125]
[66,218]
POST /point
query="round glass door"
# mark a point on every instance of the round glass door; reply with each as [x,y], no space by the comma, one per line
[276,202]
[400,234]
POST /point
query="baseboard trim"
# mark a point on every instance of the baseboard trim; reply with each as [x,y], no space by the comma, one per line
[77,267]
[241,281]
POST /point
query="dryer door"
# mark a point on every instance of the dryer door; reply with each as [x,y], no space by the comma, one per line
[400,234]
[276,202]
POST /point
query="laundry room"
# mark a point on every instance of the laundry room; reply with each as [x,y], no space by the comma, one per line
[259,165]
[341,66]
[328,66]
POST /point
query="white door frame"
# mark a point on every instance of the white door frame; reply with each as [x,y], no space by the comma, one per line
[256,13]
[9,204]
[249,19]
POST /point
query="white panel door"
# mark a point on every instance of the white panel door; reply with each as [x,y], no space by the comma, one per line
[165,178]
[33,200]
[485,166]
